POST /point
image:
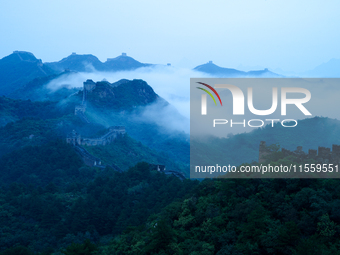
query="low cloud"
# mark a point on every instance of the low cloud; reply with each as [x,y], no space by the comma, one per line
[173,84]
[164,116]
[170,83]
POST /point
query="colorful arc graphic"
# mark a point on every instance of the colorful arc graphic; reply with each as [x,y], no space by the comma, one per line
[208,93]
[213,90]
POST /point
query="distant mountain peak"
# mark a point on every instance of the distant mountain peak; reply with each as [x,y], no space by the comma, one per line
[74,58]
[213,69]
[23,56]
[75,55]
[123,56]
[24,53]
[77,62]
[19,68]
[89,63]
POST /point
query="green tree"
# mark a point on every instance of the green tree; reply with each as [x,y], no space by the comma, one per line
[86,248]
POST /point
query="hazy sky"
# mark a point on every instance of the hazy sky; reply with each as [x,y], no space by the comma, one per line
[292,35]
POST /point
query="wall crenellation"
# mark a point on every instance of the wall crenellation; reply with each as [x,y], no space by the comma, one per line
[88,86]
[162,168]
[322,155]
[75,139]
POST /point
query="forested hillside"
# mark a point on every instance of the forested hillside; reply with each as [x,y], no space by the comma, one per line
[83,210]
[243,216]
[50,200]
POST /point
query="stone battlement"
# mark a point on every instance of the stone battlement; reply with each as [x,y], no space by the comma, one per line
[79,109]
[322,155]
[89,85]
[75,139]
[161,168]
[88,159]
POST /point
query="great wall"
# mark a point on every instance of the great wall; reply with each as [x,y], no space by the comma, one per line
[113,133]
[322,155]
[88,87]
[77,141]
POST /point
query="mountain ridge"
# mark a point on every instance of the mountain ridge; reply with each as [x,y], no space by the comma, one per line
[213,69]
[90,63]
[121,95]
[19,68]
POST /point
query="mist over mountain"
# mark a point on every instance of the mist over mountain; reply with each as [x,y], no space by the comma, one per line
[23,76]
[37,89]
[147,117]
[26,123]
[330,69]
[215,70]
[19,68]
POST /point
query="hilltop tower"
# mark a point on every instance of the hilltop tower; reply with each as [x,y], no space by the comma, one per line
[73,138]
[89,85]
[79,109]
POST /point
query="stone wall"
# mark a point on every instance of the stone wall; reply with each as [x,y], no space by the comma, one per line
[89,85]
[322,155]
[88,158]
[75,139]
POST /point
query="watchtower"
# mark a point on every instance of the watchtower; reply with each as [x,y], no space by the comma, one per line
[89,85]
